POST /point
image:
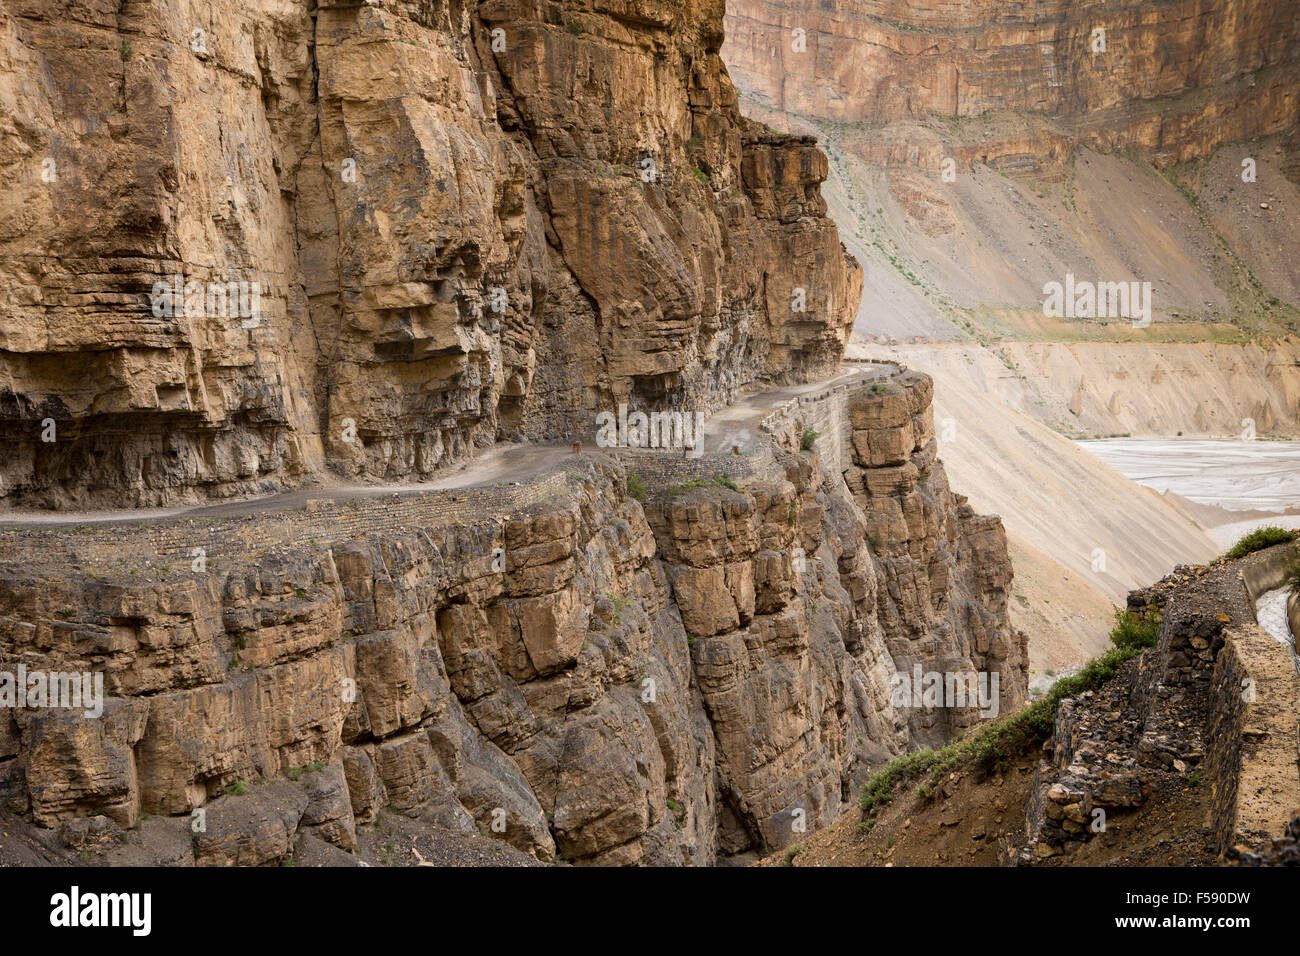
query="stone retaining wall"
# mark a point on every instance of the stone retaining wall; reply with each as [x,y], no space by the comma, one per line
[1250,732]
[1217,696]
[825,411]
[1251,695]
[662,470]
[1265,571]
[1253,740]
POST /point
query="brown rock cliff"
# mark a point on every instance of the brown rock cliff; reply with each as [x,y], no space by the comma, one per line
[464,222]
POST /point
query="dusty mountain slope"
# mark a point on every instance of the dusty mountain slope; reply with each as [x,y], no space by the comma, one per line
[1067,617]
[1051,491]
[979,249]
[984,245]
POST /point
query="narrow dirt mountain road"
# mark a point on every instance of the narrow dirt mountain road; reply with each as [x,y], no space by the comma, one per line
[502,464]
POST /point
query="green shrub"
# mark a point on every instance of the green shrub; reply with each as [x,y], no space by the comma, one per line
[620,605]
[636,486]
[809,436]
[1133,632]
[1258,540]
[296,773]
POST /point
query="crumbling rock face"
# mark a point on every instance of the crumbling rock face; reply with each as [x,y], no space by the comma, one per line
[379,236]
[776,590]
[465,675]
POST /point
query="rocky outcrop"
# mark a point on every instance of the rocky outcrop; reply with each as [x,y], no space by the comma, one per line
[377,237]
[1176,80]
[945,569]
[593,677]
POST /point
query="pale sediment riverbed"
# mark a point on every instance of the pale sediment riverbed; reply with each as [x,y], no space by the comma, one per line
[1237,476]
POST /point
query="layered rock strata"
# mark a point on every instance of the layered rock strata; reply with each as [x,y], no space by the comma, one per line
[1173,80]
[379,236]
[591,676]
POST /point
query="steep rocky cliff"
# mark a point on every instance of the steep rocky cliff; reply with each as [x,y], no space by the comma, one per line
[945,568]
[281,243]
[709,672]
[243,242]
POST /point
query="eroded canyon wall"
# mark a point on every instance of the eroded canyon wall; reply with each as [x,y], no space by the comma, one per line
[453,223]
[1174,79]
[706,672]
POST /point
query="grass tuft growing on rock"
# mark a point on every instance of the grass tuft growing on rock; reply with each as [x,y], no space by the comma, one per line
[636,486]
[719,480]
[996,742]
[296,773]
[1258,540]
